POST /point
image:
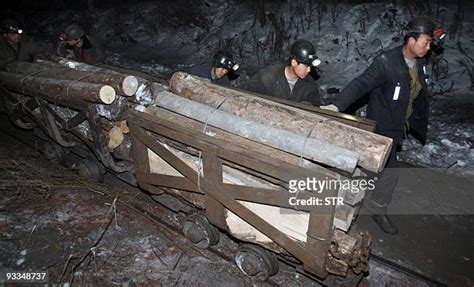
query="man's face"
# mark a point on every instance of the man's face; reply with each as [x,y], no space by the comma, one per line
[220,72]
[75,43]
[12,37]
[420,46]
[300,69]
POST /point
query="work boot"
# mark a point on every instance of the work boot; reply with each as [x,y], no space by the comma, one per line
[385,223]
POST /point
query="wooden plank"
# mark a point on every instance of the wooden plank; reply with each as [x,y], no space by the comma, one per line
[195,199]
[194,152]
[167,156]
[277,169]
[295,248]
[264,150]
[167,181]
[215,211]
[152,189]
[171,130]
[140,154]
[225,150]
[320,230]
[273,197]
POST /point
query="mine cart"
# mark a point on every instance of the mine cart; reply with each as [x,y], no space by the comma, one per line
[236,158]
[222,151]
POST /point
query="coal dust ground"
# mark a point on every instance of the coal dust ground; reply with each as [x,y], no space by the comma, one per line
[106,234]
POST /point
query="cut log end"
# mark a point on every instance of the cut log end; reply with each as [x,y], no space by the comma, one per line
[130,85]
[115,138]
[107,94]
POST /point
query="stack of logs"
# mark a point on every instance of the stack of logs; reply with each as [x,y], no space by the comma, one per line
[67,84]
[310,136]
[325,141]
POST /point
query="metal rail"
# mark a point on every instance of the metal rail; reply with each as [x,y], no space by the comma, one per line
[407,271]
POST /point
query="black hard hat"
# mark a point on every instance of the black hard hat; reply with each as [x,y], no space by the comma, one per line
[421,24]
[303,51]
[73,32]
[224,59]
[11,27]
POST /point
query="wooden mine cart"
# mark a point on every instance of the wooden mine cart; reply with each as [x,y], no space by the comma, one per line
[174,155]
[202,146]
[239,184]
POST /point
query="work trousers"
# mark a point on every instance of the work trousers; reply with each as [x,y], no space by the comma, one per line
[385,183]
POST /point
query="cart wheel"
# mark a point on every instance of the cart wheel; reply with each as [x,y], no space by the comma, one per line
[199,231]
[91,169]
[256,262]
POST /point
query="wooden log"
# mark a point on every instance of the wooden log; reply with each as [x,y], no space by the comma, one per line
[337,266]
[278,138]
[372,148]
[125,85]
[62,90]
[152,77]
[123,126]
[115,138]
[145,94]
[345,244]
[115,131]
[355,121]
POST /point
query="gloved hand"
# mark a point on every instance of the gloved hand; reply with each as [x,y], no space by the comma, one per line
[330,108]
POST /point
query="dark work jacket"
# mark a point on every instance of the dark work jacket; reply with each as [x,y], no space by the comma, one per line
[28,51]
[380,80]
[271,81]
[204,71]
